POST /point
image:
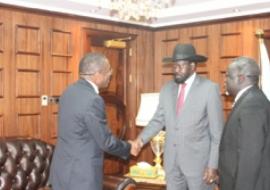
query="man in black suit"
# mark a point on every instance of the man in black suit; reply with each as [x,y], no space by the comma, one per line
[83,133]
[245,146]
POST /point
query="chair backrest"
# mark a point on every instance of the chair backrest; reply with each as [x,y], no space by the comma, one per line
[24,163]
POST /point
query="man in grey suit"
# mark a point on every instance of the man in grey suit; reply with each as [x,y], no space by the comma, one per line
[83,133]
[193,127]
[245,146]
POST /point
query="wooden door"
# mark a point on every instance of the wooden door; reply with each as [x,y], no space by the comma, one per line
[60,68]
[5,59]
[116,88]
[26,76]
[115,94]
[37,60]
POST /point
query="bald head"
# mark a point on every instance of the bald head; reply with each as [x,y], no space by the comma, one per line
[96,68]
[247,67]
[92,63]
[242,72]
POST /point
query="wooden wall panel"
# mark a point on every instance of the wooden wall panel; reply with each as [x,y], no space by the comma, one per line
[27,79]
[28,62]
[35,60]
[1,37]
[27,39]
[28,115]
[132,87]
[231,45]
[1,125]
[28,105]
[227,100]
[2,108]
[201,42]
[168,43]
[28,125]
[249,39]
[27,83]
[60,63]
[1,83]
[60,80]
[53,128]
[61,43]
[60,57]
[159,54]
[199,38]
[5,108]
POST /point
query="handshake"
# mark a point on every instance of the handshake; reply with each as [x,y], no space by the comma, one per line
[136,146]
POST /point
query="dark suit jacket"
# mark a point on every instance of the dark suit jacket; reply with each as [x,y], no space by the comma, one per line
[245,146]
[83,135]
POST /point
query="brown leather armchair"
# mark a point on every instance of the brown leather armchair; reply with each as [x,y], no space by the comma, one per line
[25,164]
[118,183]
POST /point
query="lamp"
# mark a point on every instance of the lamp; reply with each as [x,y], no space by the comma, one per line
[148,106]
[138,10]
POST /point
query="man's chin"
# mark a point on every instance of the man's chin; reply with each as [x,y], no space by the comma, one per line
[179,81]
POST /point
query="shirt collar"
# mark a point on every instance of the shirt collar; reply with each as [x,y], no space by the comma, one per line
[190,79]
[241,92]
[188,83]
[94,86]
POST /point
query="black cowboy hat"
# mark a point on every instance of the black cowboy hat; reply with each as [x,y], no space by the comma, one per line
[184,52]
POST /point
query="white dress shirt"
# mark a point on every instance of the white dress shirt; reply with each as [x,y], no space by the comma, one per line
[240,93]
[188,82]
[94,86]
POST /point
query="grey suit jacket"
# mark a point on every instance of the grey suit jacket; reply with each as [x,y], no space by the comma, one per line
[195,133]
[245,145]
[83,135]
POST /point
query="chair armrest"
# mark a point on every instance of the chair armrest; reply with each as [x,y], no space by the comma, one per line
[111,182]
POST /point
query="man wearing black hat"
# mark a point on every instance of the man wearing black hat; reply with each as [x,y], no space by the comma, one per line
[190,110]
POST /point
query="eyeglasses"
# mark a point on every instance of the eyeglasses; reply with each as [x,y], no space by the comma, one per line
[109,72]
[233,76]
[86,74]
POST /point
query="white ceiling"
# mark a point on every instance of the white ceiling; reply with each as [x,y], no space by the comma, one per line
[183,11]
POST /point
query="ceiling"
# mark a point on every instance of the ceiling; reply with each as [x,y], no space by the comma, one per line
[182,12]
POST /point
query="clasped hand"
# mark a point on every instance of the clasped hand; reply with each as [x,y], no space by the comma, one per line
[136,146]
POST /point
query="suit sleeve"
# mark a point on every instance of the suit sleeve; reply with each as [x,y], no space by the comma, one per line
[253,121]
[216,123]
[155,125]
[96,122]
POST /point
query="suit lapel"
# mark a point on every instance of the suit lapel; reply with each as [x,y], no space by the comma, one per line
[86,84]
[174,97]
[235,108]
[238,103]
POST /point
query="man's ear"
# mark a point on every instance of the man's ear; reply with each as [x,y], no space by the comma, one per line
[93,77]
[241,78]
[193,65]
